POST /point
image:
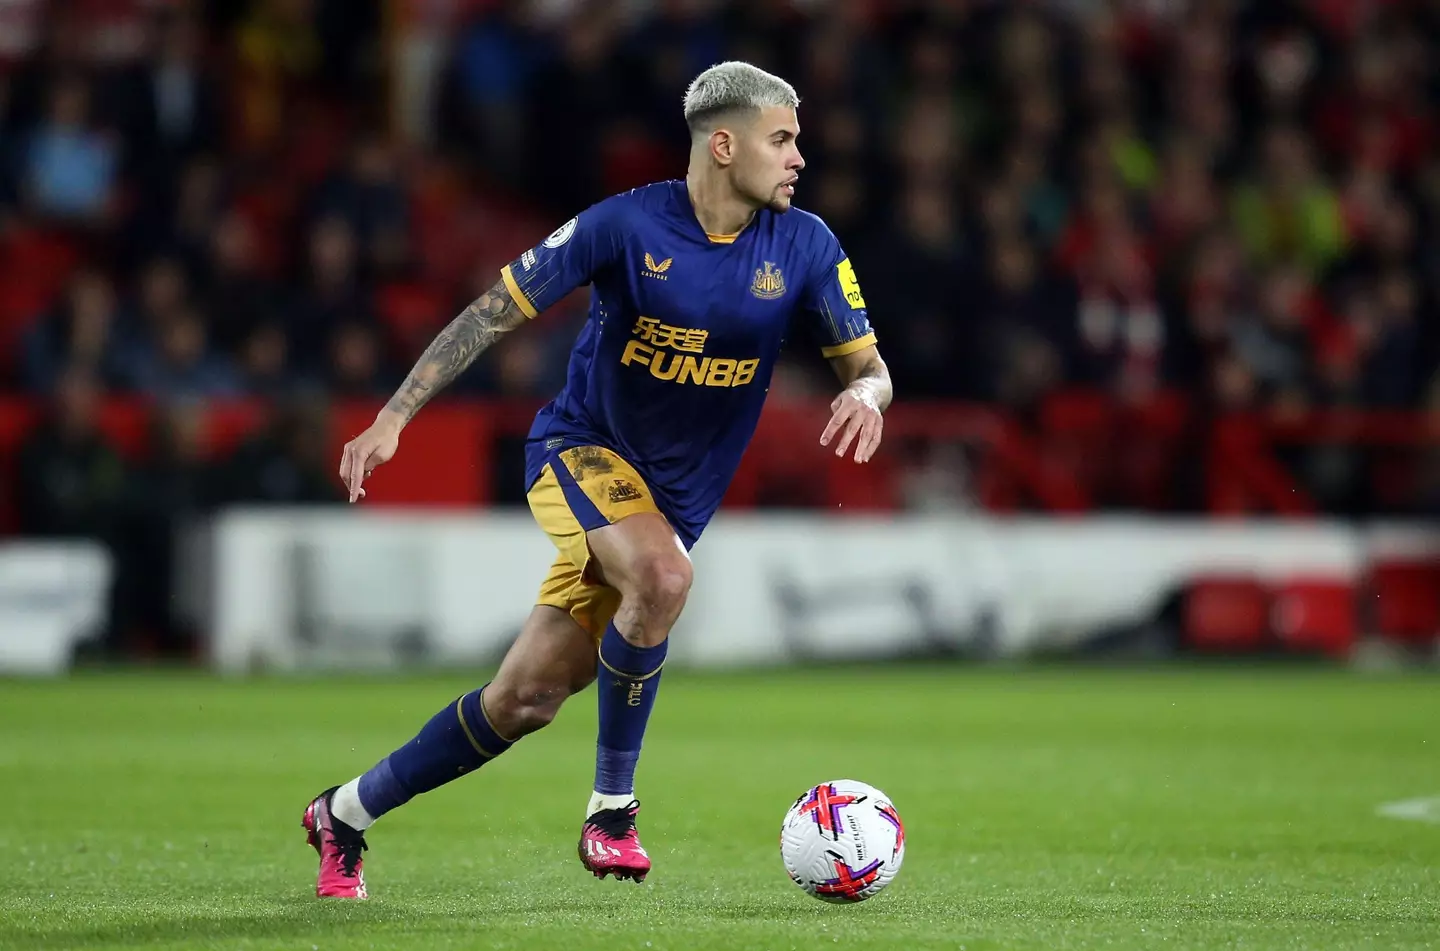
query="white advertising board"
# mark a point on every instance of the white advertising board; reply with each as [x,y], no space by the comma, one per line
[294,589]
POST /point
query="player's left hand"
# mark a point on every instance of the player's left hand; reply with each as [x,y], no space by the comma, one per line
[856,411]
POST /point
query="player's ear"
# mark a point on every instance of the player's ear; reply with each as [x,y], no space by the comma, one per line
[722,146]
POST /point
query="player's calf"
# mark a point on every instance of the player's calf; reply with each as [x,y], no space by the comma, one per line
[521,707]
[457,740]
[553,660]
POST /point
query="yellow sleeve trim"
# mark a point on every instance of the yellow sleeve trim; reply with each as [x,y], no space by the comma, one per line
[521,301]
[850,346]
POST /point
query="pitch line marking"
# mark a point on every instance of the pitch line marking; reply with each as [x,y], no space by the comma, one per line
[1423,809]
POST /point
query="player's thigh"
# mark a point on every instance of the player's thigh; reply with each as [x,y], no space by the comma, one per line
[602,516]
[554,656]
[641,552]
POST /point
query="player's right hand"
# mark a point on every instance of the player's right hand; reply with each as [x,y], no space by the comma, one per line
[374,447]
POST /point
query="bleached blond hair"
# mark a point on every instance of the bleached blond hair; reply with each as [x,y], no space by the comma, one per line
[734,87]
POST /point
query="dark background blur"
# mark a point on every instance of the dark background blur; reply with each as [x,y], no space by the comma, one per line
[1131,217]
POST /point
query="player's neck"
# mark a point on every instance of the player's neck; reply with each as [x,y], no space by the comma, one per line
[718,208]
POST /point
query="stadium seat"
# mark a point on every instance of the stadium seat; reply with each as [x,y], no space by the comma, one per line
[1155,433]
[228,424]
[33,269]
[1405,599]
[22,302]
[1079,428]
[1316,615]
[46,259]
[1226,614]
[126,423]
[17,416]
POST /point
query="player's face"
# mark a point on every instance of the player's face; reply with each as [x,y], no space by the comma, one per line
[769,160]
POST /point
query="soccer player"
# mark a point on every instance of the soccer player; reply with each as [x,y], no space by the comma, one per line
[695,285]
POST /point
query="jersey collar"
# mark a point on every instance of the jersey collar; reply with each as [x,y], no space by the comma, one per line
[680,194]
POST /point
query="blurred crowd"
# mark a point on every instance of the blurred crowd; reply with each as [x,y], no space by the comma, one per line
[1236,200]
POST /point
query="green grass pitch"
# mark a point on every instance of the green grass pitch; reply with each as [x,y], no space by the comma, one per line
[1045,809]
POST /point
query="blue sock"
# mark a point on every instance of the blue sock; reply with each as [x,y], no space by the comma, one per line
[628,678]
[457,740]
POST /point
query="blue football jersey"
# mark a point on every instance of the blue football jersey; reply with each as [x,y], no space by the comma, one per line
[672,366]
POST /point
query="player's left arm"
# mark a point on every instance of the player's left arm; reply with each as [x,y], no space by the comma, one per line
[840,323]
[858,412]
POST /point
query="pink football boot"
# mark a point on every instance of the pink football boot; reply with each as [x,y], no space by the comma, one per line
[341,867]
[609,844]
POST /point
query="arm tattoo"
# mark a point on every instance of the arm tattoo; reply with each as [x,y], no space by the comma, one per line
[456,347]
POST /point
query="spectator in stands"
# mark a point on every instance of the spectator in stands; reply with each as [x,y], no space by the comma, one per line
[1376,114]
[580,92]
[840,198]
[1204,297]
[171,486]
[280,55]
[181,363]
[70,481]
[162,291]
[926,266]
[1232,385]
[1015,351]
[335,293]
[369,197]
[236,294]
[1392,344]
[1286,211]
[171,105]
[524,371]
[1043,203]
[1275,341]
[87,331]
[358,368]
[264,361]
[1184,203]
[69,166]
[495,60]
[182,220]
[285,463]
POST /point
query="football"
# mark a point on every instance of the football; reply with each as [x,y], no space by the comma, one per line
[842,841]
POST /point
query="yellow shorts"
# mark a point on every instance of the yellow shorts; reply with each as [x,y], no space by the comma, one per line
[581,489]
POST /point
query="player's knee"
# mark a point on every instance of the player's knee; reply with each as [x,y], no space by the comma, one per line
[526,705]
[662,583]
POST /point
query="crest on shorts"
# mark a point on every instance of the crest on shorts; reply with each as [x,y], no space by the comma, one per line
[622,491]
[769,282]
